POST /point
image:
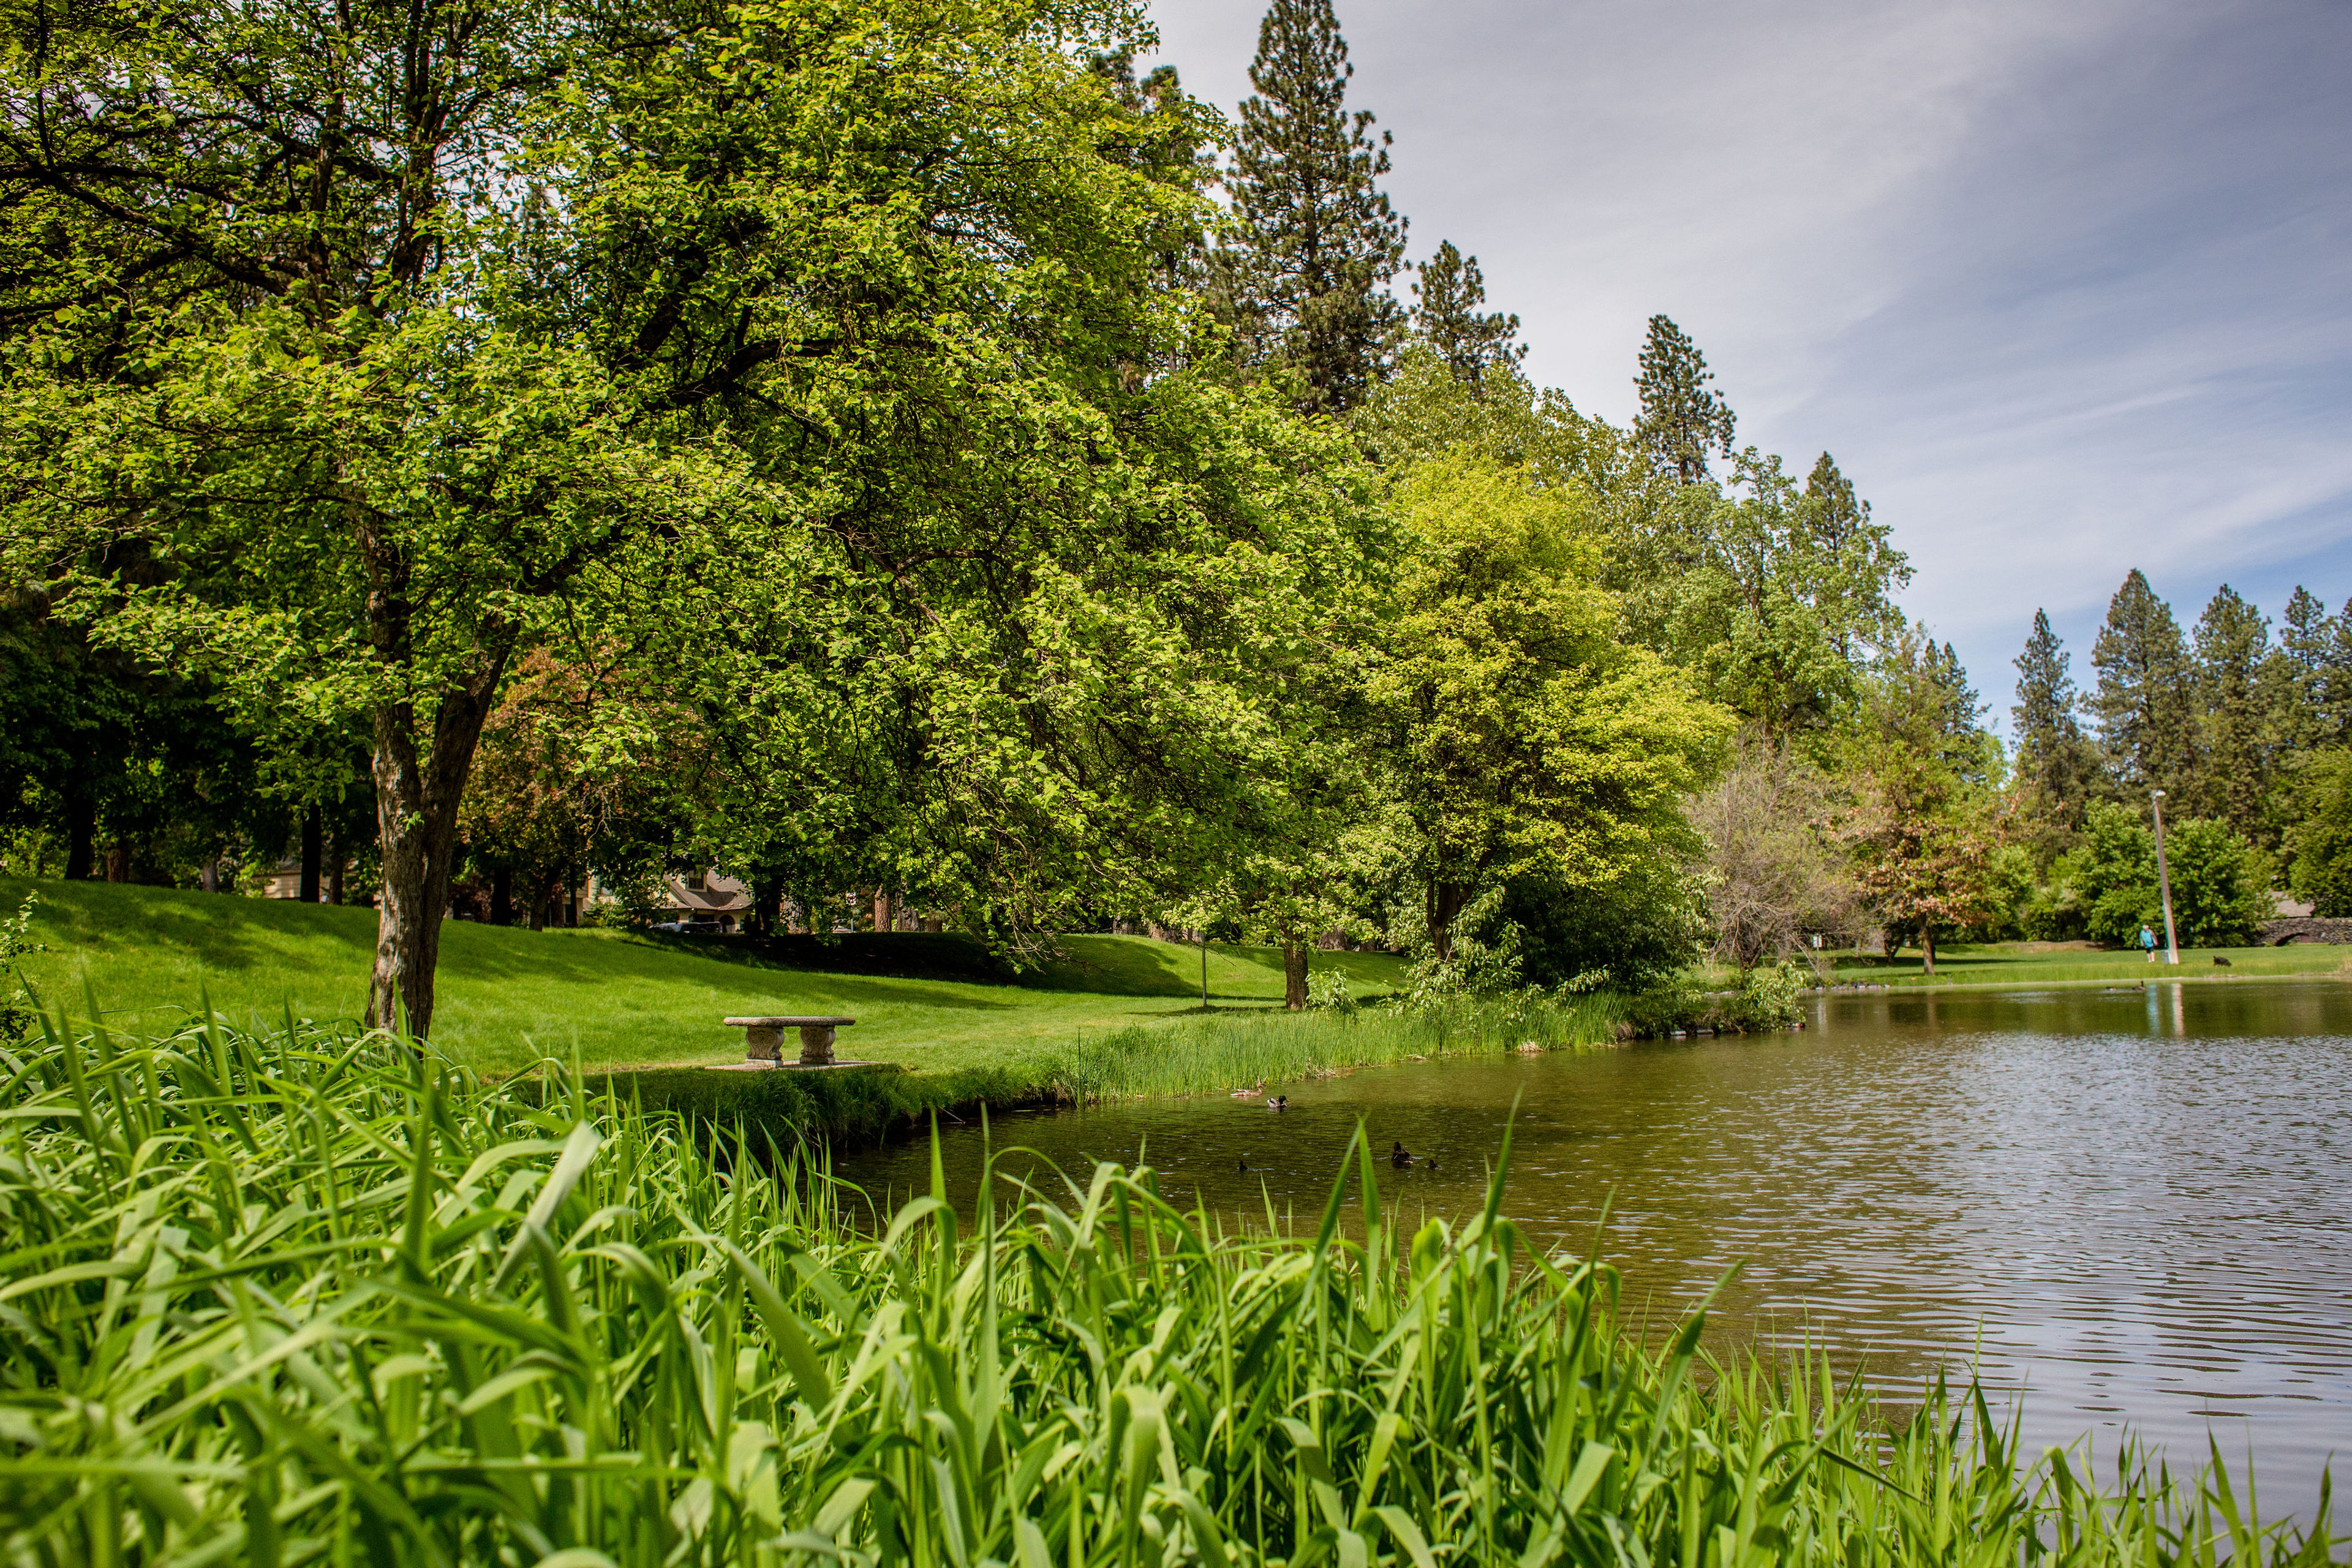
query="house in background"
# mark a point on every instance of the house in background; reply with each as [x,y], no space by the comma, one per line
[702,900]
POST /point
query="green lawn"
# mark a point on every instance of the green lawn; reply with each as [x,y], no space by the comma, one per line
[2038,963]
[620,1000]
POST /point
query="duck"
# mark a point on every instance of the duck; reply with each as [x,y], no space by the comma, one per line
[1400,1155]
[1251,1093]
[1280,1102]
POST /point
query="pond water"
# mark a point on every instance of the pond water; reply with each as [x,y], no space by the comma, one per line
[2135,1206]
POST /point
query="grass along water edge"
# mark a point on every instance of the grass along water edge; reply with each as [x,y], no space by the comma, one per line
[299,1296]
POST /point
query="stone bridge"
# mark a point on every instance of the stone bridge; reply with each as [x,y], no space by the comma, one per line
[2304,927]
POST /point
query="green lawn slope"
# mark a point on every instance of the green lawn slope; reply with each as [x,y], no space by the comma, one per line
[505,996]
[2041,963]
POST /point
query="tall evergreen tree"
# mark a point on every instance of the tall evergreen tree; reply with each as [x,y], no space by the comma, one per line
[2299,671]
[2142,705]
[1318,239]
[1446,312]
[2057,771]
[2233,750]
[2311,686]
[1684,418]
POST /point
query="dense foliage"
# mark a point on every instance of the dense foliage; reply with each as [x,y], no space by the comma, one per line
[893,456]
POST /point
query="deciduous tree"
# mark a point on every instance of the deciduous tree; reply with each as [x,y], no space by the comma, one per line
[1527,735]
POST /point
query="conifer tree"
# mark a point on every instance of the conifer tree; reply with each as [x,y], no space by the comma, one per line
[2233,752]
[2057,772]
[1446,312]
[1684,418]
[2143,704]
[1318,241]
[2311,698]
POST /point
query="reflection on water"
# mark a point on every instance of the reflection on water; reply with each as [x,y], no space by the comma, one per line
[2132,1203]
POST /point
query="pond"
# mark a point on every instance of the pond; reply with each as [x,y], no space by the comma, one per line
[2135,1205]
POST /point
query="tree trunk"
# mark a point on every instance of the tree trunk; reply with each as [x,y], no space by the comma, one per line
[1443,902]
[416,797]
[81,829]
[502,896]
[314,851]
[335,857]
[767,903]
[881,909]
[932,925]
[118,862]
[1928,947]
[1294,974]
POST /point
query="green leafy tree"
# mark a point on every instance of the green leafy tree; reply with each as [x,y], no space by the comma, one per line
[1446,312]
[2111,873]
[2057,771]
[1925,822]
[2220,882]
[841,339]
[364,484]
[1526,737]
[1684,418]
[2319,840]
[1317,240]
[2234,748]
[2144,702]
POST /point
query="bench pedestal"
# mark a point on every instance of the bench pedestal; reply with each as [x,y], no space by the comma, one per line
[763,1040]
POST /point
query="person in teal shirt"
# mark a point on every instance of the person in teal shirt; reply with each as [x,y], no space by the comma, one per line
[2147,940]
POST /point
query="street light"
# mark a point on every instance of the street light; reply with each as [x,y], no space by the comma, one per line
[2164,878]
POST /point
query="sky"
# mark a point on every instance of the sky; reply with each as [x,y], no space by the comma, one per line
[2066,288]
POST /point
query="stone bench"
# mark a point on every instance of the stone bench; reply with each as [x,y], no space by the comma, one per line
[763,1040]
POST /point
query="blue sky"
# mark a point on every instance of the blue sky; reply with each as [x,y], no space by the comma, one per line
[2066,288]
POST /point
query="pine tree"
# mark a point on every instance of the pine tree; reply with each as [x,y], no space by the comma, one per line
[2144,707]
[1446,312]
[1318,239]
[2057,772]
[2311,686]
[1684,418]
[2234,750]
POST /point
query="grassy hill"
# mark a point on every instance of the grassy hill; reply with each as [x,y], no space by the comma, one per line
[508,996]
[2051,964]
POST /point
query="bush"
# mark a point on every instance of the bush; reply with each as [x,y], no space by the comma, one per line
[15,942]
[2221,883]
[1328,989]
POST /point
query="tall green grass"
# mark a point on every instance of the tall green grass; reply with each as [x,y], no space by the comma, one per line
[311,1297]
[1218,1053]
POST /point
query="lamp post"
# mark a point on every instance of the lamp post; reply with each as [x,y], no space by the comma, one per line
[2164,878]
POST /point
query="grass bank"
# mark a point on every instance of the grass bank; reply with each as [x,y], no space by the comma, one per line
[617,1000]
[2045,964]
[295,1298]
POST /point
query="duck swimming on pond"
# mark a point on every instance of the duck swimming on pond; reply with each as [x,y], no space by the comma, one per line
[1400,1155]
[1280,1102]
